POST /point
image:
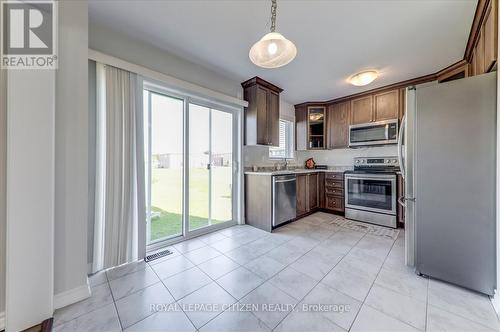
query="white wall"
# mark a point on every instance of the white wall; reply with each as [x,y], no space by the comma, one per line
[122,46]
[71,153]
[496,299]
[30,203]
[3,161]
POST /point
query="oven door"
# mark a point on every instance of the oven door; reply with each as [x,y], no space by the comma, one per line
[371,192]
[374,133]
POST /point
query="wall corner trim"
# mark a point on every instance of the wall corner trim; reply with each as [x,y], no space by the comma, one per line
[495,301]
[72,296]
[2,320]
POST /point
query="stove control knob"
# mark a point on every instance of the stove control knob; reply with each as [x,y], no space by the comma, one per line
[387,161]
[394,161]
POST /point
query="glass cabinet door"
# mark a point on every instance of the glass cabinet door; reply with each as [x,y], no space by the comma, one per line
[316,127]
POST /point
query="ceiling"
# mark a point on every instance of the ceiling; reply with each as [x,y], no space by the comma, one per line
[401,39]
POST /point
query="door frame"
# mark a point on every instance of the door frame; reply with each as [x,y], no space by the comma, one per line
[160,88]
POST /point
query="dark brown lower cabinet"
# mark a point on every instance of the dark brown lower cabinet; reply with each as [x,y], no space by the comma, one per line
[312,186]
[320,191]
[334,192]
[307,193]
[302,199]
[334,203]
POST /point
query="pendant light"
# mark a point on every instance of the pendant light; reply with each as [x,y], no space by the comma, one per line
[273,50]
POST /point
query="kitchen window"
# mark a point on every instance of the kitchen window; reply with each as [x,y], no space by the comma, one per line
[285,149]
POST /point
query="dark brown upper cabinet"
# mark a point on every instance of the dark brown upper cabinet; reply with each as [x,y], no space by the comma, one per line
[338,125]
[310,127]
[490,32]
[362,110]
[316,117]
[263,113]
[386,105]
[375,107]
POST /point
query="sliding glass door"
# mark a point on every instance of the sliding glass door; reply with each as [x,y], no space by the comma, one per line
[181,200]
[210,166]
[165,172]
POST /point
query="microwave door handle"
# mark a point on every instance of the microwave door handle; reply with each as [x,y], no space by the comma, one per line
[400,147]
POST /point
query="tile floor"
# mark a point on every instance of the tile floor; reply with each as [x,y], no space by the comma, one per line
[316,274]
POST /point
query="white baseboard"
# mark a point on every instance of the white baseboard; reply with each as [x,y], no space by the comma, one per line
[72,296]
[2,320]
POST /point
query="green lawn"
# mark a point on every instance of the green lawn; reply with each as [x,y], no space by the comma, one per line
[166,199]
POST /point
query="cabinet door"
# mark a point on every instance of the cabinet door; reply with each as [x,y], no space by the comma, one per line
[334,203]
[490,36]
[338,125]
[273,118]
[313,191]
[301,128]
[386,105]
[480,54]
[321,190]
[262,124]
[402,103]
[361,110]
[301,194]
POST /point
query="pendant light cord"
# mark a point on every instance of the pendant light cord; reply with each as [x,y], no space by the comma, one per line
[274,5]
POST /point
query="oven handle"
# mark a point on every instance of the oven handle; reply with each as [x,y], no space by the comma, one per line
[371,176]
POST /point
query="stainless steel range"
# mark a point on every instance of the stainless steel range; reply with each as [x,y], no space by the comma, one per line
[370,191]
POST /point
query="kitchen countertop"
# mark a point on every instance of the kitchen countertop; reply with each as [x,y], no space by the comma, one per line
[339,169]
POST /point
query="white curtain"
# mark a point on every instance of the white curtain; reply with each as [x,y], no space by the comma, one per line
[120,203]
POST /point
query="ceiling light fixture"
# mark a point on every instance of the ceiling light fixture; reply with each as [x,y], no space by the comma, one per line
[273,50]
[363,78]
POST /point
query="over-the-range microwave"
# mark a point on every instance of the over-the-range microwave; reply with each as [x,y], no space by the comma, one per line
[374,133]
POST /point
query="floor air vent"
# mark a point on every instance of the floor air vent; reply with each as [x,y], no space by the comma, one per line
[157,255]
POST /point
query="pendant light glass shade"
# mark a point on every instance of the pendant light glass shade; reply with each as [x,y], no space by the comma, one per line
[272,51]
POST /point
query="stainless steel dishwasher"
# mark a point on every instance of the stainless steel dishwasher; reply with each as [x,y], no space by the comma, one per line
[284,198]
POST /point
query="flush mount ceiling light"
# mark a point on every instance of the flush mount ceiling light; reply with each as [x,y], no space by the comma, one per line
[273,50]
[363,78]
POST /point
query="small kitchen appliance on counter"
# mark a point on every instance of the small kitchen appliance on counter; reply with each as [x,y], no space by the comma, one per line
[370,191]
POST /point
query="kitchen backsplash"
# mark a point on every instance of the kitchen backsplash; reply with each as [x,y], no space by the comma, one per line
[259,155]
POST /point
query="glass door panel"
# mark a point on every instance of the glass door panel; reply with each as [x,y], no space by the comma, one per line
[165,192]
[371,193]
[199,166]
[221,166]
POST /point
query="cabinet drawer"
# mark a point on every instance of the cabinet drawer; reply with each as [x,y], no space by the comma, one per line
[334,191]
[335,176]
[334,203]
[334,183]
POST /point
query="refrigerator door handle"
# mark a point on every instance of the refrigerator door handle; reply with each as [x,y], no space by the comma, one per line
[400,147]
[401,201]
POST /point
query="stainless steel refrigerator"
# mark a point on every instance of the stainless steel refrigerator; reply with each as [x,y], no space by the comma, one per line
[449,164]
